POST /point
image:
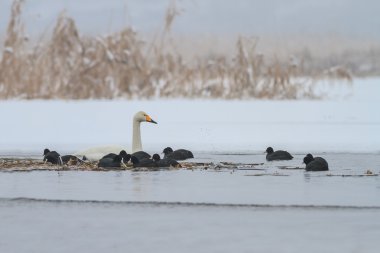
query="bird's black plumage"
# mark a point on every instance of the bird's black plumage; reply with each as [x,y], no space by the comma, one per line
[141,155]
[143,163]
[277,155]
[165,162]
[52,157]
[315,163]
[125,156]
[179,154]
[108,162]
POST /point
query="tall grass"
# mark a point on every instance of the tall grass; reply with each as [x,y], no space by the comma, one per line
[71,66]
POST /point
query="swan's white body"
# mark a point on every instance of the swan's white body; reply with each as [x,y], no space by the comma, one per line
[97,153]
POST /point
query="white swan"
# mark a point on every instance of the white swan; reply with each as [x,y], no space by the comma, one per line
[98,152]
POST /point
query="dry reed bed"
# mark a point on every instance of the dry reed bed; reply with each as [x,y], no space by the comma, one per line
[70,66]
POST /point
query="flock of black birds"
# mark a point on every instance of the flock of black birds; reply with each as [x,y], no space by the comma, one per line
[138,159]
[171,158]
[312,163]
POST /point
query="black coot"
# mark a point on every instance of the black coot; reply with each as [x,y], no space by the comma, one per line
[166,162]
[179,154]
[125,156]
[143,163]
[141,155]
[52,157]
[315,163]
[114,162]
[277,155]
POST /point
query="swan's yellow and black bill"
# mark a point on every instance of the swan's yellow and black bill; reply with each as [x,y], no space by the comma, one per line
[149,119]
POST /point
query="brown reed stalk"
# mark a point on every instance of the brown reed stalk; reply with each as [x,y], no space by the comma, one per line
[72,66]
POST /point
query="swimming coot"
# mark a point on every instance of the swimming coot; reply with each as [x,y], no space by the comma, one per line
[114,162]
[315,163]
[277,155]
[179,154]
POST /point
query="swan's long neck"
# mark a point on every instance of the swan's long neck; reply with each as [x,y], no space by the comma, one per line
[136,138]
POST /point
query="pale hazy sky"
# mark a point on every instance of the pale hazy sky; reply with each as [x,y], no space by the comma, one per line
[359,18]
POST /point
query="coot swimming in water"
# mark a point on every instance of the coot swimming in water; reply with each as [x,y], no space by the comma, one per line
[179,154]
[277,155]
[315,163]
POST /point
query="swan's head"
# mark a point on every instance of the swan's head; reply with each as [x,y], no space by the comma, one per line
[308,158]
[143,117]
[269,150]
[167,150]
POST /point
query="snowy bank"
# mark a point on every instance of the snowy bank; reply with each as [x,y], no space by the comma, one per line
[349,122]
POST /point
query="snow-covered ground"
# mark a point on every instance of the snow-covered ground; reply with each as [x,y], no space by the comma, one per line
[347,121]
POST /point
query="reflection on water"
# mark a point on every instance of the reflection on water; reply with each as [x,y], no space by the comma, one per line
[307,177]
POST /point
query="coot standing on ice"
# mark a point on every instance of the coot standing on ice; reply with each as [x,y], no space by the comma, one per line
[125,156]
[143,163]
[108,162]
[52,157]
[166,162]
[55,158]
[141,155]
